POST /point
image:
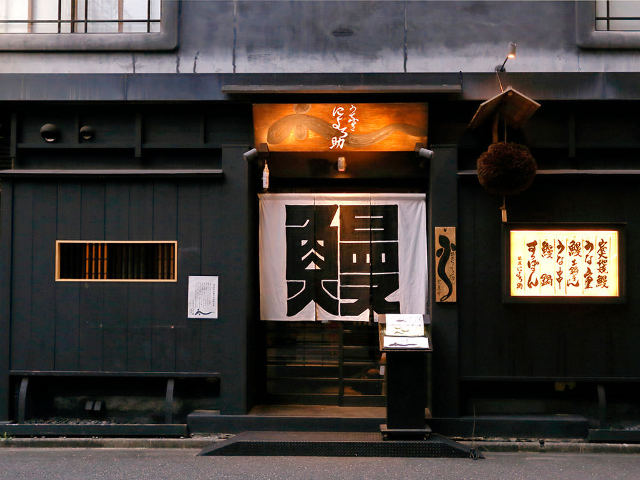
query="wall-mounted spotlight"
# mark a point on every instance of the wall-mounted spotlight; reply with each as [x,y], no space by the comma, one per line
[510,55]
[342,164]
[424,153]
[87,133]
[49,133]
[251,154]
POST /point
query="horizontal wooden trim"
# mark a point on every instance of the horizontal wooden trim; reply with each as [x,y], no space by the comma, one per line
[150,173]
[175,242]
[111,280]
[117,146]
[547,379]
[190,146]
[74,146]
[283,379]
[566,172]
[95,373]
[334,89]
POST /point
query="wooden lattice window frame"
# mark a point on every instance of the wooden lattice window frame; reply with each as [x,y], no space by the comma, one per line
[97,267]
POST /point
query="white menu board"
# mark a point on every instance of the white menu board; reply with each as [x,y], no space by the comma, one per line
[405,342]
[203,297]
[404,325]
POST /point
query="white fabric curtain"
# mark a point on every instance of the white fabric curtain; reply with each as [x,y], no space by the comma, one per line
[342,256]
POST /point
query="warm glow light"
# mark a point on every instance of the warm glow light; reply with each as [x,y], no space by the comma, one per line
[564,263]
[340,127]
[512,50]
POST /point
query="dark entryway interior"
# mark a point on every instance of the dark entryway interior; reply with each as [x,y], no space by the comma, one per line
[332,363]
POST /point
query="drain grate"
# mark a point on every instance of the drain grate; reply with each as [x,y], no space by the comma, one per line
[339,444]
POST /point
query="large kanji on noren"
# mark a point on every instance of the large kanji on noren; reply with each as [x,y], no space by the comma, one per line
[342,257]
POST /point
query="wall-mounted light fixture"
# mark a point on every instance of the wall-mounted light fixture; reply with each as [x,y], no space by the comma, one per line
[341,165]
[424,153]
[510,55]
[251,154]
[87,133]
[49,133]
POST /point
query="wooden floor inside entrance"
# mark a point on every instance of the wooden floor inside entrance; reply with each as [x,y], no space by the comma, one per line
[317,411]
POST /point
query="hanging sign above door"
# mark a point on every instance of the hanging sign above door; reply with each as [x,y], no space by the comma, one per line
[320,127]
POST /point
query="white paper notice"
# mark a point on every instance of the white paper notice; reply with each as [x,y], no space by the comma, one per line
[404,325]
[405,342]
[203,297]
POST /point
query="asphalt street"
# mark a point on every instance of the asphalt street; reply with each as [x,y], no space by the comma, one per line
[147,464]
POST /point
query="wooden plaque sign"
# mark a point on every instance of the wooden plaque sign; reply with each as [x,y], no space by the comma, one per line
[445,255]
[322,127]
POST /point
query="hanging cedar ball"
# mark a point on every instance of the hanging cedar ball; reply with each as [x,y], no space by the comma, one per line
[506,168]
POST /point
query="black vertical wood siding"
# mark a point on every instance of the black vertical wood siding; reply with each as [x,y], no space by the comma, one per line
[134,327]
[545,340]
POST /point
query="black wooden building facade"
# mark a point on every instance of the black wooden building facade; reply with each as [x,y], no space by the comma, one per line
[172,169]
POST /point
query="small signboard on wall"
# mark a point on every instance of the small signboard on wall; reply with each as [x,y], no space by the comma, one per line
[203,297]
[445,255]
[565,262]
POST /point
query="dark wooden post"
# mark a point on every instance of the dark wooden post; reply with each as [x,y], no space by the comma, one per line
[236,295]
[443,212]
[6,234]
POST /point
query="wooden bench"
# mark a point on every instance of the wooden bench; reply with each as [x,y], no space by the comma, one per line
[169,377]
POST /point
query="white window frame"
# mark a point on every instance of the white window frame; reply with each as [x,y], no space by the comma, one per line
[165,39]
[588,37]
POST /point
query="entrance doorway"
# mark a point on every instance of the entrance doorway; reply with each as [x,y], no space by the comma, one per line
[324,363]
[329,265]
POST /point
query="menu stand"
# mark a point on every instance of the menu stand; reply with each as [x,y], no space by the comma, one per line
[406,377]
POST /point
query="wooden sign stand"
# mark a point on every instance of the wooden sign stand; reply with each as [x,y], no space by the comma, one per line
[406,378]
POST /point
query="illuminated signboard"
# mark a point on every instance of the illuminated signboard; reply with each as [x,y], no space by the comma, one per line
[320,127]
[564,263]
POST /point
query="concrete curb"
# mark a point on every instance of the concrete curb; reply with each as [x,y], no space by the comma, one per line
[180,443]
[201,442]
[553,447]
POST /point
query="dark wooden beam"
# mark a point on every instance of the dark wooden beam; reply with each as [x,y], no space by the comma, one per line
[6,241]
[443,212]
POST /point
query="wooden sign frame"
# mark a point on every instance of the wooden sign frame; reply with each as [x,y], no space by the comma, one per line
[506,262]
[445,264]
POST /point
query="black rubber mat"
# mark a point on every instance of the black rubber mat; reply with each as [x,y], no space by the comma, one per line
[335,444]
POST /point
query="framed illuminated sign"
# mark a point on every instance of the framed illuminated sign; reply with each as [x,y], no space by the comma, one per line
[571,263]
[340,126]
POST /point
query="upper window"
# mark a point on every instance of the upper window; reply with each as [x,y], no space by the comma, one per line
[80,16]
[608,23]
[615,15]
[88,24]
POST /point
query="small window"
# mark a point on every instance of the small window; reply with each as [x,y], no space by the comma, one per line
[116,261]
[612,15]
[80,16]
[608,23]
[85,25]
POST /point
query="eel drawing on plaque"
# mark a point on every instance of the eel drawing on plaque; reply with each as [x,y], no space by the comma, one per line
[444,254]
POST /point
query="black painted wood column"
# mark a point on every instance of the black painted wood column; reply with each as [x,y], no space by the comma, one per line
[233,259]
[443,212]
[6,234]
